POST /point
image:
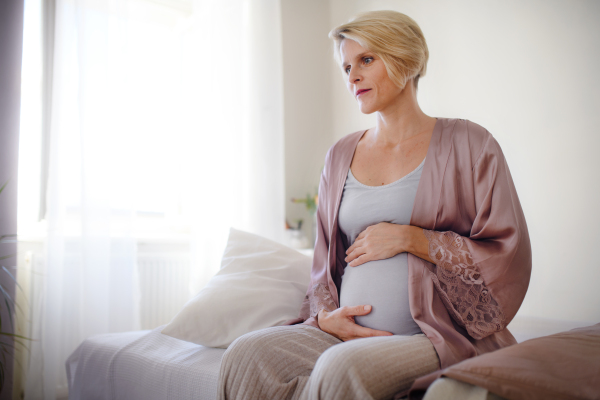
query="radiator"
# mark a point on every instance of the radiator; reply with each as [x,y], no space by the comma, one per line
[164,287]
[163,273]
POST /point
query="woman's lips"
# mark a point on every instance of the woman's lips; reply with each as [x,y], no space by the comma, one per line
[363,92]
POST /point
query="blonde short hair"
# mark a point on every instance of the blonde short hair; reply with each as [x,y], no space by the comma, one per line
[395,37]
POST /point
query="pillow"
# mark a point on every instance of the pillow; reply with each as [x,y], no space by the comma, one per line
[261,284]
[564,365]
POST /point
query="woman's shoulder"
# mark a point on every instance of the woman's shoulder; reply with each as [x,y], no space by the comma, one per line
[470,136]
[466,129]
[344,145]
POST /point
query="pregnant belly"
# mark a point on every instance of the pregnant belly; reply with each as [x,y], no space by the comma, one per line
[383,284]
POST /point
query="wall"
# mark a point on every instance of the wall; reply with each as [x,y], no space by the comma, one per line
[11,38]
[307,55]
[527,72]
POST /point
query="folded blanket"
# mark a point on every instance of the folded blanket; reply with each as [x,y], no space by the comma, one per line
[565,365]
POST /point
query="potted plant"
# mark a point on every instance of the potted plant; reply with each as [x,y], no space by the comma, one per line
[311,201]
[7,301]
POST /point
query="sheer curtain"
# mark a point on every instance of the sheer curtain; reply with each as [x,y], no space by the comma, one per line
[166,119]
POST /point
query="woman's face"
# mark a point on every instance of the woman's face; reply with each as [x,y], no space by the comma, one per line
[365,70]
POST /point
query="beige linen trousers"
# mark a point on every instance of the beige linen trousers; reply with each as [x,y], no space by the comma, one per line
[302,362]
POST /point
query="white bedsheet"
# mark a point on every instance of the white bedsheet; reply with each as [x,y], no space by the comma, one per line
[144,365]
[149,365]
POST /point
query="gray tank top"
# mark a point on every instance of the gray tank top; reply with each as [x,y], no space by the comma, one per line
[381,283]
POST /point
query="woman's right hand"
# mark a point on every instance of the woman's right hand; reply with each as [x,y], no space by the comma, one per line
[340,323]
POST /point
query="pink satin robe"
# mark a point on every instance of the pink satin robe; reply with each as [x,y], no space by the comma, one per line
[468,206]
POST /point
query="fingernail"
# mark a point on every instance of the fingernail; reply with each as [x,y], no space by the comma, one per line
[367,308]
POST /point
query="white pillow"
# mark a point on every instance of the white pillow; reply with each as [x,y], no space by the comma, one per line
[261,284]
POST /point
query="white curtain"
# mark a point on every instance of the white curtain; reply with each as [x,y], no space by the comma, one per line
[167,119]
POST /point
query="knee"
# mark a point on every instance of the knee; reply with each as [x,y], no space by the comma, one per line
[248,352]
[341,359]
[335,368]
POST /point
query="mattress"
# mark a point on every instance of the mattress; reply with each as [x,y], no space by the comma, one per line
[142,365]
[149,365]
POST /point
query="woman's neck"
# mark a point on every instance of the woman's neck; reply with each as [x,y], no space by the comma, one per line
[401,120]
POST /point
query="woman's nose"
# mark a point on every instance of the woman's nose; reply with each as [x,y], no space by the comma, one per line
[353,77]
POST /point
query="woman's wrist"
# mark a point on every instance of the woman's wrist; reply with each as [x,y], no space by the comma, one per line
[415,242]
[317,317]
[322,314]
[405,239]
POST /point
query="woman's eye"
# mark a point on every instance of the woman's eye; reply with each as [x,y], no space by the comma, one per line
[364,59]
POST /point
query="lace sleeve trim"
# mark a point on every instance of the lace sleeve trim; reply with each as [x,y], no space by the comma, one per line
[317,298]
[461,287]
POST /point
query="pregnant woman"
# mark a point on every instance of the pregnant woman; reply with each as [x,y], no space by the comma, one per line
[422,254]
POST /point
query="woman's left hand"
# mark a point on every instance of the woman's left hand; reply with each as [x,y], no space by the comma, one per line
[377,242]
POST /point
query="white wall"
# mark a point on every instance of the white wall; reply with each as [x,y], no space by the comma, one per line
[526,71]
[307,99]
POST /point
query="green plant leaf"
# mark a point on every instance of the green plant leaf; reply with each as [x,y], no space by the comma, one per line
[6,298]
[16,359]
[3,186]
[15,304]
[6,351]
[30,270]
[8,238]
[8,256]
[18,336]
[15,348]
[17,283]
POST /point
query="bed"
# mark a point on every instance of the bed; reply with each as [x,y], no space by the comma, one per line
[143,365]
[150,365]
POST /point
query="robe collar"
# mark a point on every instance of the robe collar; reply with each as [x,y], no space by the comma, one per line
[431,178]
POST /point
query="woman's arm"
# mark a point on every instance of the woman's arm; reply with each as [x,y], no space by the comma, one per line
[385,240]
[416,242]
[458,280]
[482,279]
[456,277]
[318,296]
[340,323]
[318,308]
